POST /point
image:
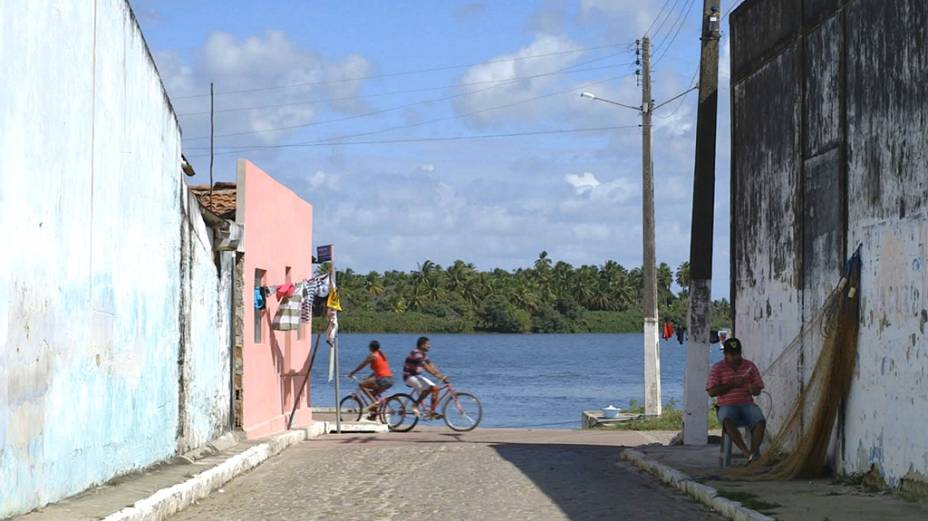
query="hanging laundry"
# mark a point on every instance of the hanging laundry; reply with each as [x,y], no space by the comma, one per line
[333,302]
[681,335]
[285,291]
[259,298]
[668,331]
[287,317]
[314,292]
[332,328]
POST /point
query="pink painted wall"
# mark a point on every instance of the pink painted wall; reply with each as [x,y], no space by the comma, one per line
[278,233]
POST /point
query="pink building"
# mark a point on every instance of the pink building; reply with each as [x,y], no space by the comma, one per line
[269,366]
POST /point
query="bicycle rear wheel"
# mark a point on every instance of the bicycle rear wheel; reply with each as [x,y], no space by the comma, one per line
[350,409]
[462,412]
[397,413]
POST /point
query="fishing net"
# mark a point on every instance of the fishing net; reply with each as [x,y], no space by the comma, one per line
[800,447]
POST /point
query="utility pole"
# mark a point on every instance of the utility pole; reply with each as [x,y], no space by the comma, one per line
[695,400]
[652,361]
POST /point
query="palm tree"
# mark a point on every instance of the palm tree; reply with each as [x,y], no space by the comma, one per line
[373,284]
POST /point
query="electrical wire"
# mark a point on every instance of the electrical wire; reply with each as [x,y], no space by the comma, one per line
[390,109]
[406,91]
[458,116]
[682,21]
[659,13]
[664,21]
[693,86]
[404,73]
[425,140]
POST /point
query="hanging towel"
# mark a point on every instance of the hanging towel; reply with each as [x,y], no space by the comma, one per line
[287,317]
[259,298]
[681,335]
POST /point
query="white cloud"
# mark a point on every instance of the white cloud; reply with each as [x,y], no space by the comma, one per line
[321,179]
[583,183]
[630,15]
[506,67]
[243,64]
[591,231]
[427,167]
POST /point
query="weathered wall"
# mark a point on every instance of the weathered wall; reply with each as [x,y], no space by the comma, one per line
[850,167]
[205,320]
[278,234]
[90,215]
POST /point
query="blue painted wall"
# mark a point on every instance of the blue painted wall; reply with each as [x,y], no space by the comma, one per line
[91,216]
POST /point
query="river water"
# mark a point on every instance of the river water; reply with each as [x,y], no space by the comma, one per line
[538,381]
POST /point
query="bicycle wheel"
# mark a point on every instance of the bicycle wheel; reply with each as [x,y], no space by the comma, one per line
[397,413]
[350,408]
[462,412]
[394,413]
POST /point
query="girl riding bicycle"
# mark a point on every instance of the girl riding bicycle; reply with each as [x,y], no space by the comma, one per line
[382,379]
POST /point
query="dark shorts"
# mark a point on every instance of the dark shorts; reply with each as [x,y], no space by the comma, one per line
[743,414]
[384,382]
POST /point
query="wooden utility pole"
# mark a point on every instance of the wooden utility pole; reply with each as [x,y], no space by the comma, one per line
[652,361]
[695,400]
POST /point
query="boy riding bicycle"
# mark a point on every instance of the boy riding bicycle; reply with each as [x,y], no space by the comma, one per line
[416,362]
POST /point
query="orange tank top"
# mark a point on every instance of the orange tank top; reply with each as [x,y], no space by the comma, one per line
[380,366]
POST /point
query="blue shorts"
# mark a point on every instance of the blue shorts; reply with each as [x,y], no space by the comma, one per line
[743,414]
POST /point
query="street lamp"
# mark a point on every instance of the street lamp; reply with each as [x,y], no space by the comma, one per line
[652,368]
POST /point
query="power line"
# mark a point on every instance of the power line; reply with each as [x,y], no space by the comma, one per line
[682,21]
[391,109]
[667,17]
[425,140]
[683,98]
[404,73]
[733,6]
[659,13]
[458,116]
[406,91]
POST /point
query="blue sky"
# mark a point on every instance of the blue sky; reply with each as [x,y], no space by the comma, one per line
[328,73]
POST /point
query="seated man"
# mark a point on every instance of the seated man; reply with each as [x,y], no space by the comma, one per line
[734,382]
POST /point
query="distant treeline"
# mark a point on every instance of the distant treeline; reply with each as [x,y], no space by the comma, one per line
[549,297]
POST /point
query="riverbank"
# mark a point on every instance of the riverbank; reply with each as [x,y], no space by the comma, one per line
[423,323]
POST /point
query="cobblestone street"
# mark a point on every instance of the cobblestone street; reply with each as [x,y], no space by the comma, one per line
[437,474]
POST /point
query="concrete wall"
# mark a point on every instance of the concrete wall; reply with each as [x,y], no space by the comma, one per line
[828,152]
[278,234]
[90,270]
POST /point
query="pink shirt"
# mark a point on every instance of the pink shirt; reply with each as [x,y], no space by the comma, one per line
[723,373]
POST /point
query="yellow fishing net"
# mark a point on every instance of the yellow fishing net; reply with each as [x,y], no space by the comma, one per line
[800,447]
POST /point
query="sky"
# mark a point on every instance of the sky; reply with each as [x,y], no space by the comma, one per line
[350,105]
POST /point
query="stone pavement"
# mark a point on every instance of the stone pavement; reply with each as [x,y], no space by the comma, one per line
[796,500]
[438,474]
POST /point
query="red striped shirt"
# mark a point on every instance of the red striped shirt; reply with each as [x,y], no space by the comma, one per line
[723,373]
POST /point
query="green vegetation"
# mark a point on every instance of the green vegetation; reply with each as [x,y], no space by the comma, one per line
[671,419]
[549,297]
[749,500]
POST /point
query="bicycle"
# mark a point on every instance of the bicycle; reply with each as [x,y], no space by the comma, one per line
[389,410]
[461,411]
